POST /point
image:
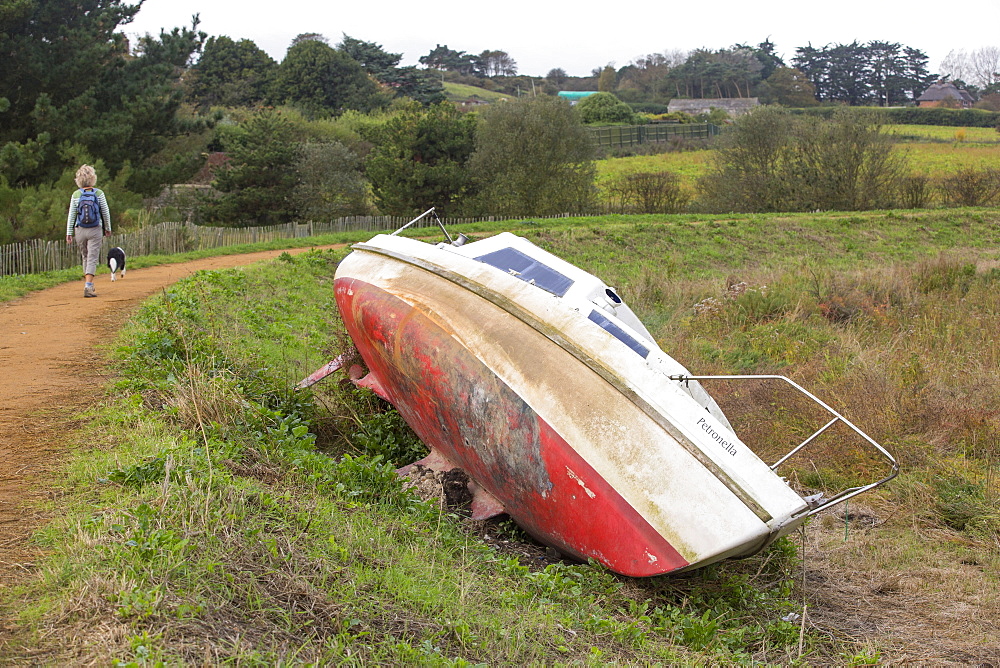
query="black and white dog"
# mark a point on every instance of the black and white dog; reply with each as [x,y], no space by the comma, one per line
[116,262]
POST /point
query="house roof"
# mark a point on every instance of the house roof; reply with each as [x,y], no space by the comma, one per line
[942,90]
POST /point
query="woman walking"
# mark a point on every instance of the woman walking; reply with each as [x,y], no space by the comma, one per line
[89,221]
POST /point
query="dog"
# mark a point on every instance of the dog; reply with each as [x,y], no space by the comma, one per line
[116,262]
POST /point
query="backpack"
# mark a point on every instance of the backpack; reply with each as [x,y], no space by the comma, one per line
[88,212]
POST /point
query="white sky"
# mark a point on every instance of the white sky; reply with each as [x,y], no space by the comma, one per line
[543,35]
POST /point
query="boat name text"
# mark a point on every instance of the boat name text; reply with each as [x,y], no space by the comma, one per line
[717,437]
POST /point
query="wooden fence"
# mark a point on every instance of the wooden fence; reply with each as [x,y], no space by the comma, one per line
[36,256]
[628,135]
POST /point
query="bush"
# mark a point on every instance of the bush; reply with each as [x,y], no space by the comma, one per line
[532,157]
[604,108]
[969,118]
[649,192]
[773,161]
[915,191]
[330,183]
[972,187]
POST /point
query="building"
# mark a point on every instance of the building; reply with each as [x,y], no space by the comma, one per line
[945,94]
[734,106]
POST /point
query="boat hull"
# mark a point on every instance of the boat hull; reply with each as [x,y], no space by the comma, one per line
[460,408]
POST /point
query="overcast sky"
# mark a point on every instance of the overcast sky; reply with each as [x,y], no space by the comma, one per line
[543,35]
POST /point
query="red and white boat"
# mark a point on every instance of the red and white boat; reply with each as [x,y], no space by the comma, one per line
[536,379]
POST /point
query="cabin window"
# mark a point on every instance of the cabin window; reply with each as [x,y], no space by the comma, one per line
[528,269]
[619,333]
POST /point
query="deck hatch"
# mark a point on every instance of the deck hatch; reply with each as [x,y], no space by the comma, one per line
[619,334]
[528,269]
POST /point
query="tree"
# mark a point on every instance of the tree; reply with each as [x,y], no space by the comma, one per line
[557,76]
[419,159]
[772,161]
[606,82]
[258,180]
[448,60]
[67,78]
[848,163]
[309,37]
[533,157]
[604,108]
[788,87]
[746,172]
[233,74]
[330,183]
[769,59]
[497,64]
[980,68]
[857,74]
[402,81]
[373,59]
[715,74]
[324,81]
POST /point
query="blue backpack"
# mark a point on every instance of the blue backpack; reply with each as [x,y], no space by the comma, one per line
[88,212]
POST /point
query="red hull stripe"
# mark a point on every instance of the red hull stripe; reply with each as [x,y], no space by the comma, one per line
[458,406]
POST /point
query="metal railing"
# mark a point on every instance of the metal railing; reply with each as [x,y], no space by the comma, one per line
[837,418]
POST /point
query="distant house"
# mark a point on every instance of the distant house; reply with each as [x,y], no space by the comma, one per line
[575,96]
[944,94]
[734,106]
[471,103]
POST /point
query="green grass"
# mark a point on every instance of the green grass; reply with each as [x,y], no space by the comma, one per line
[241,521]
[932,150]
[462,92]
[940,133]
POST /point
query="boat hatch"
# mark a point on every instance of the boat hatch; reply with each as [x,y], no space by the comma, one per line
[528,269]
[619,334]
[816,503]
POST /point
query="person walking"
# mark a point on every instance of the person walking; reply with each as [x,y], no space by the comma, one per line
[89,221]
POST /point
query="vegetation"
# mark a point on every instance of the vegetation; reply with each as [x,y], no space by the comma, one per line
[233,503]
[531,155]
[604,108]
[419,159]
[879,73]
[774,162]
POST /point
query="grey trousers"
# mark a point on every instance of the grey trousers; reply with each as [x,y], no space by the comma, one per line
[89,240]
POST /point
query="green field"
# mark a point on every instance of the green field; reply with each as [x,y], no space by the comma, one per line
[460,93]
[931,150]
[237,522]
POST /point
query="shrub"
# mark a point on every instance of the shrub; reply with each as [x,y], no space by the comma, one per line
[604,108]
[915,191]
[972,187]
[330,183]
[772,161]
[532,157]
[650,192]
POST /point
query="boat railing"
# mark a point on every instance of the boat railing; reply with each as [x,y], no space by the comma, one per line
[818,504]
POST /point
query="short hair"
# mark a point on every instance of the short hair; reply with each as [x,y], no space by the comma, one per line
[86,177]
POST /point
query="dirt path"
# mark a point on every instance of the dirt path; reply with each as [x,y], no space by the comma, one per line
[49,371]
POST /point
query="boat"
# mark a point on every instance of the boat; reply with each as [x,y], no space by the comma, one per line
[536,379]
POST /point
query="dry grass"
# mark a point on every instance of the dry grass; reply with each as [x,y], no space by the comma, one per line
[909,353]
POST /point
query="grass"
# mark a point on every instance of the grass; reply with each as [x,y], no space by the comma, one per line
[935,151]
[462,92]
[941,133]
[251,525]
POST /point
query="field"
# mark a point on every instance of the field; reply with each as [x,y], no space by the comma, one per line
[238,522]
[932,150]
[460,93]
